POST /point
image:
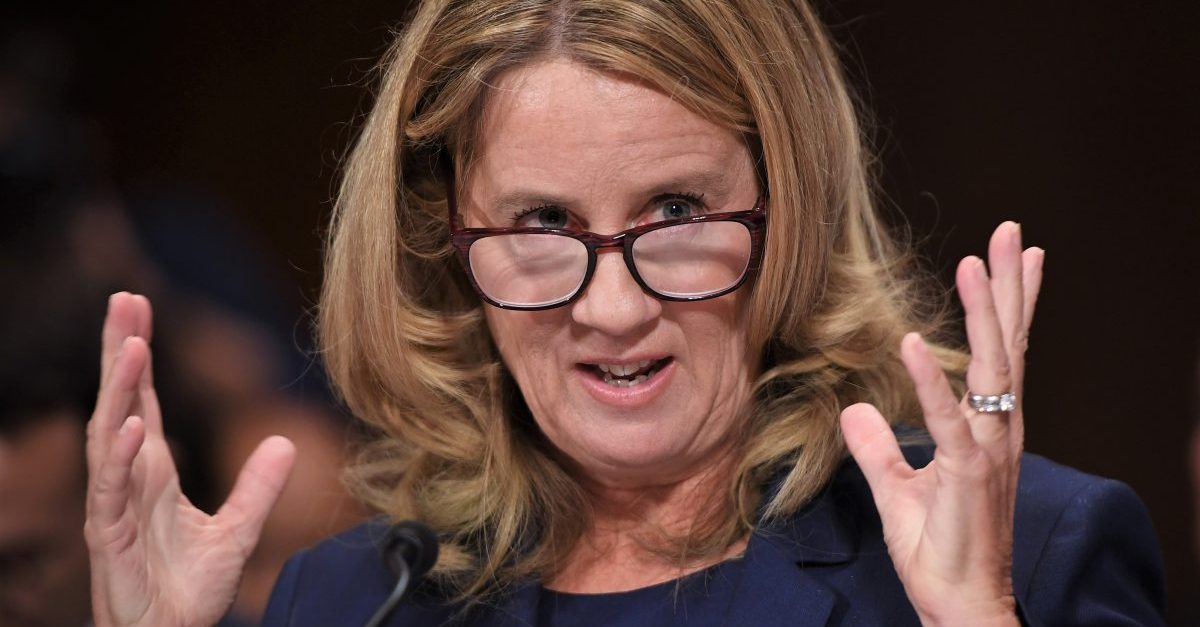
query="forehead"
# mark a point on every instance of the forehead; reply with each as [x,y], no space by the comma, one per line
[560,123]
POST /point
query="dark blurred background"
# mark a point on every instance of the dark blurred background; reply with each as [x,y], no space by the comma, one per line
[1073,118]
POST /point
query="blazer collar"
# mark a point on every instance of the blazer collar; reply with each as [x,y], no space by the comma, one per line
[781,583]
[824,532]
[776,592]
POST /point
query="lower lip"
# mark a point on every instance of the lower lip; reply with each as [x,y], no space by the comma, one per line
[626,397]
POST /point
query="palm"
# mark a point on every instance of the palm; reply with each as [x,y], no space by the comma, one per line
[909,500]
[919,518]
[156,558]
[161,558]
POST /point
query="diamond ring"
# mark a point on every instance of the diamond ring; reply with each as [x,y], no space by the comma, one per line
[992,403]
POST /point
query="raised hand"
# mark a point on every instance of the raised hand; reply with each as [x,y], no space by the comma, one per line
[157,560]
[948,526]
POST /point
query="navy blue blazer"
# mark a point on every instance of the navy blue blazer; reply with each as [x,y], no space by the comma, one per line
[1084,553]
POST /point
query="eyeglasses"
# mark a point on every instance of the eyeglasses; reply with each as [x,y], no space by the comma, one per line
[683,259]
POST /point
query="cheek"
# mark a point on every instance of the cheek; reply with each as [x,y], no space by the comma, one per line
[721,364]
[525,340]
[716,332]
[725,366]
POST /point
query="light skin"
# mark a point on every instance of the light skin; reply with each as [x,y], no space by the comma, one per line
[948,526]
[605,149]
[156,559]
[606,153]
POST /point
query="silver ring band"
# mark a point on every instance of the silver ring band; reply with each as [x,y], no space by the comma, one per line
[992,403]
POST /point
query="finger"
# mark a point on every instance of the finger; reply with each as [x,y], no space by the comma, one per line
[873,445]
[120,322]
[145,317]
[1032,262]
[128,315]
[118,325]
[108,494]
[989,371]
[147,397]
[258,486]
[943,415]
[116,399]
[1005,265]
[1031,273]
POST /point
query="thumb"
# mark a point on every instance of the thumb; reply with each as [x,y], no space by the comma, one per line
[873,445]
[258,486]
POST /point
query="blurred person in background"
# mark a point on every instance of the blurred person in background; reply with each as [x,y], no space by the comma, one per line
[48,168]
[230,345]
[67,238]
[43,560]
[46,387]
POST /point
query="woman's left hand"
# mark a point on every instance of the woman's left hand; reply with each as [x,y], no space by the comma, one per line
[949,525]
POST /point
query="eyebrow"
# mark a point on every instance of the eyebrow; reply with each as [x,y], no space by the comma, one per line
[714,184]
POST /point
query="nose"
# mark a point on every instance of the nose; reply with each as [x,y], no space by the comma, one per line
[613,303]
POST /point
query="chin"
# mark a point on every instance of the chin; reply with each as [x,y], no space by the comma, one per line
[655,442]
[621,456]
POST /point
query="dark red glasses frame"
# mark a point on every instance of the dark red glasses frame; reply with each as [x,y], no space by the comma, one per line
[755,221]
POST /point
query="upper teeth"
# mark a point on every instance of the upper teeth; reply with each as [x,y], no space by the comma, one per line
[624,370]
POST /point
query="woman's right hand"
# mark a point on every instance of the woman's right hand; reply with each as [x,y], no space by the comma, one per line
[156,559]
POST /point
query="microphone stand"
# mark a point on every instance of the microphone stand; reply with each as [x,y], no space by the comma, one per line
[397,593]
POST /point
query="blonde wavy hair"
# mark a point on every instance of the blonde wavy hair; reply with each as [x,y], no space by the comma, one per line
[404,337]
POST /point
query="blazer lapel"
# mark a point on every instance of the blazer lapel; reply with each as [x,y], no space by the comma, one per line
[782,582]
[775,591]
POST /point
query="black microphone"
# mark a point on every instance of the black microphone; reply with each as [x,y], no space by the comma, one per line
[410,550]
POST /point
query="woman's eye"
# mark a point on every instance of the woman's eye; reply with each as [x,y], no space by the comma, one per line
[545,218]
[674,209]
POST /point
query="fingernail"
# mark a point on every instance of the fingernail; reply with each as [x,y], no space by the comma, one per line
[124,426]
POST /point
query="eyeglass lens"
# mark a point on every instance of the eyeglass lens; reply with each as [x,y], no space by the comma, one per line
[681,261]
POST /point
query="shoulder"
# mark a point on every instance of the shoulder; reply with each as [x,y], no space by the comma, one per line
[1059,504]
[1084,548]
[339,581]
[342,581]
[1046,490]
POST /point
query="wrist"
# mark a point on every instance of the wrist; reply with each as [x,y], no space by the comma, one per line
[1000,613]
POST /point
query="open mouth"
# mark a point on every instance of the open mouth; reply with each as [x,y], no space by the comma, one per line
[627,375]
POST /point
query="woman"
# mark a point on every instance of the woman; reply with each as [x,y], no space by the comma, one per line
[649,437]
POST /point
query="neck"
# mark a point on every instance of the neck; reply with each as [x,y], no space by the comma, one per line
[617,551]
